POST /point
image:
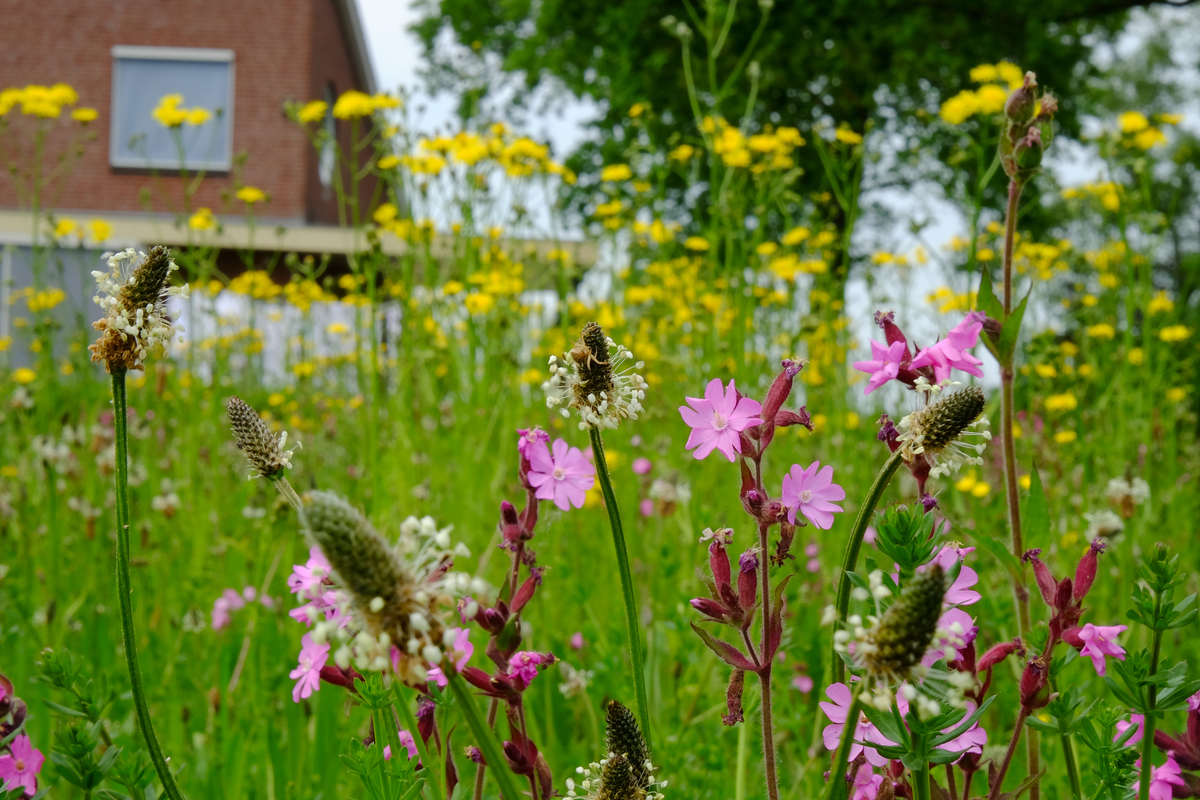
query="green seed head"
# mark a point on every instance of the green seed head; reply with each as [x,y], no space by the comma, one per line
[255,438]
[149,279]
[617,781]
[624,738]
[897,644]
[942,422]
[591,356]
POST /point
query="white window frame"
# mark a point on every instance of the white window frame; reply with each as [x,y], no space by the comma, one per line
[121,51]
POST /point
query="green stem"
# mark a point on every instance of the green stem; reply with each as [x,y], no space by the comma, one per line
[853,545]
[492,753]
[920,776]
[1073,766]
[636,657]
[743,752]
[285,489]
[837,772]
[409,720]
[124,590]
[1151,705]
[994,794]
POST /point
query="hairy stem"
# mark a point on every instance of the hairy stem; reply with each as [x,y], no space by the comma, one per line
[920,776]
[1151,705]
[289,494]
[481,772]
[1072,766]
[124,590]
[1008,755]
[764,671]
[853,545]
[633,629]
[486,738]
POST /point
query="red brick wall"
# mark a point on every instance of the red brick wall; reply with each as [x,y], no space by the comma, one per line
[274,42]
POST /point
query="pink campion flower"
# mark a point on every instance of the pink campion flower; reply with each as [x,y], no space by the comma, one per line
[577,641]
[224,606]
[813,565]
[952,352]
[1100,641]
[972,740]
[1138,720]
[810,492]
[563,477]
[307,579]
[960,592]
[718,419]
[1193,702]
[407,742]
[460,653]
[20,767]
[884,365]
[864,731]
[524,665]
[307,673]
[866,784]
[802,684]
[1164,777]
[642,466]
[954,630]
[530,438]
[646,508]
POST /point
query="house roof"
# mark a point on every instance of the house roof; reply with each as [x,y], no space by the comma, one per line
[360,56]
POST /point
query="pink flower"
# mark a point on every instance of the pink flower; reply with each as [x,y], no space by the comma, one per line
[577,641]
[972,739]
[810,492]
[313,656]
[1138,720]
[813,565]
[1163,778]
[308,579]
[463,649]
[223,606]
[530,438]
[642,466]
[802,684]
[883,366]
[1099,641]
[646,508]
[564,477]
[717,420]
[953,631]
[524,666]
[407,742]
[20,768]
[866,784]
[837,711]
[960,593]
[1193,702]
[951,352]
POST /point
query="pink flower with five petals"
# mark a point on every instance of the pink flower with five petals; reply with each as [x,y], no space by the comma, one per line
[307,673]
[884,365]
[718,420]
[20,767]
[1100,641]
[864,731]
[952,352]
[563,477]
[811,493]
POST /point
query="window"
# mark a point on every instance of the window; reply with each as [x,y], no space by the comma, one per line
[328,159]
[142,77]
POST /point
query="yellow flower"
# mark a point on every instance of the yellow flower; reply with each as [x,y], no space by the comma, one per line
[984,73]
[479,302]
[795,236]
[960,108]
[682,153]
[766,248]
[312,111]
[1109,281]
[852,421]
[846,136]
[353,104]
[388,162]
[24,375]
[101,230]
[1085,370]
[1061,402]
[985,254]
[198,116]
[981,489]
[382,100]
[65,227]
[1046,371]
[84,115]
[1160,303]
[452,288]
[1177,394]
[1101,331]
[967,482]
[1065,437]
[616,172]
[1016,430]
[5,343]
[1090,300]
[337,328]
[202,220]
[697,243]
[1151,137]
[1170,119]
[168,113]
[1137,356]
[1009,73]
[303,369]
[385,213]
[250,195]
[608,209]
[1133,122]
[276,399]
[1025,481]
[44,300]
[990,99]
[9,471]
[1069,349]
[880,258]
[637,109]
[1175,333]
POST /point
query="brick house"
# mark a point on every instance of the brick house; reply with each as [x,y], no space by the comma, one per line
[243,59]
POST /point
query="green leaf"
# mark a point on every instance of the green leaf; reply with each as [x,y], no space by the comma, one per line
[963,726]
[986,300]
[997,550]
[1011,330]
[1035,514]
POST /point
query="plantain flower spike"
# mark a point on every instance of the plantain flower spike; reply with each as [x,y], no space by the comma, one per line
[942,430]
[626,773]
[133,294]
[593,380]
[897,643]
[262,446]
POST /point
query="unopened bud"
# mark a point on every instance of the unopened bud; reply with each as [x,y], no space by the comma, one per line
[1035,693]
[1029,150]
[473,753]
[1021,103]
[1085,573]
[748,580]
[1047,585]
[1062,598]
[510,523]
[998,653]
[733,698]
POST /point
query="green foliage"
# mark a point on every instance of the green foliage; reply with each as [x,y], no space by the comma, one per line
[905,535]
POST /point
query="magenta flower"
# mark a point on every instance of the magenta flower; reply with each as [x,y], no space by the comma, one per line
[972,739]
[866,784]
[718,419]
[954,629]
[810,492]
[530,438]
[524,666]
[564,477]
[462,650]
[960,593]
[313,656]
[577,641]
[306,580]
[1138,720]
[19,769]
[802,684]
[837,711]
[224,606]
[642,466]
[1193,702]
[952,352]
[1100,641]
[646,507]
[1163,778]
[407,742]
[884,364]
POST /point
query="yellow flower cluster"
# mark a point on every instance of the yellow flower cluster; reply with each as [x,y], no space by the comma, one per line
[256,283]
[98,229]
[1040,259]
[1137,132]
[352,105]
[170,114]
[516,156]
[1109,194]
[946,300]
[250,195]
[46,102]
[997,81]
[202,220]
[1061,402]
[38,300]
[769,150]
[1175,333]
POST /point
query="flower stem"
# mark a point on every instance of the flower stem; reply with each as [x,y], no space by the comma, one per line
[285,489]
[636,657]
[1008,755]
[487,740]
[1072,766]
[764,671]
[124,590]
[837,772]
[853,545]
[481,772]
[739,787]
[920,776]
[1151,705]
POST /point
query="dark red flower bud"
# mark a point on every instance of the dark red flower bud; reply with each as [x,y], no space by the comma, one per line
[1062,597]
[1071,637]
[711,608]
[475,754]
[733,698]
[718,558]
[779,392]
[1085,573]
[787,418]
[1045,580]
[1035,691]
[331,673]
[748,580]
[999,652]
[886,320]
[754,503]
[510,523]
